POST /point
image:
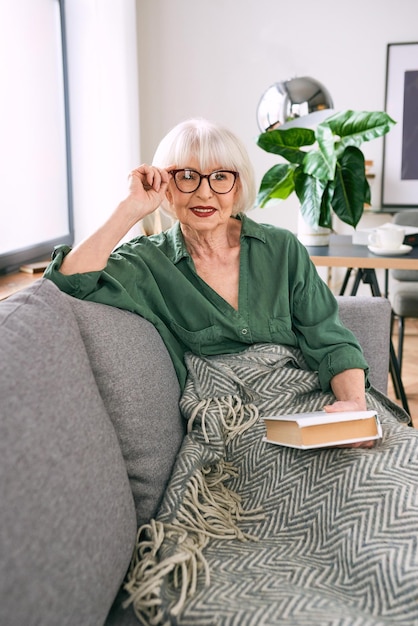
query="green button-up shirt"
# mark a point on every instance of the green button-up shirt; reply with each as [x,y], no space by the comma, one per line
[282,299]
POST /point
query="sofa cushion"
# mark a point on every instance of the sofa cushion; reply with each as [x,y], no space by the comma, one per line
[67,519]
[138,384]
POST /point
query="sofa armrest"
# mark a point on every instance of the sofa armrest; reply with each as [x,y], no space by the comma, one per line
[369,318]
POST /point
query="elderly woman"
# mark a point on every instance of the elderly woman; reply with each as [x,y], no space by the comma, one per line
[216,281]
[251,329]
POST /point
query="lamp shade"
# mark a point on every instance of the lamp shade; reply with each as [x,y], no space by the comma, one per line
[285,102]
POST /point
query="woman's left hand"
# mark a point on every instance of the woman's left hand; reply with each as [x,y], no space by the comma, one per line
[349,405]
[344,405]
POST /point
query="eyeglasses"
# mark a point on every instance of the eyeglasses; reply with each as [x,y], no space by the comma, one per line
[188,181]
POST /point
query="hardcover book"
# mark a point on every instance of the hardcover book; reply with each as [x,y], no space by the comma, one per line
[319,429]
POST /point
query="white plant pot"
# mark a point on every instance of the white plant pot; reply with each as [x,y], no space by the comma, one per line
[311,235]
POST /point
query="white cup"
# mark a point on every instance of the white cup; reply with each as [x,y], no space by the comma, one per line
[387,237]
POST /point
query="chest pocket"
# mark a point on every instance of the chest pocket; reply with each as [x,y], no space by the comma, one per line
[281,331]
[197,340]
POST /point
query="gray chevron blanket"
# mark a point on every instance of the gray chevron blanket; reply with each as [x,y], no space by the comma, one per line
[253,534]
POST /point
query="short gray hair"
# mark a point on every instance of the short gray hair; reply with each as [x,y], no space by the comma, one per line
[209,143]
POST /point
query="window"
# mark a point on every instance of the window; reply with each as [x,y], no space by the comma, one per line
[35,166]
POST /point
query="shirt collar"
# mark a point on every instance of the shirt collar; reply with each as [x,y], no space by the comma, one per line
[177,249]
[251,228]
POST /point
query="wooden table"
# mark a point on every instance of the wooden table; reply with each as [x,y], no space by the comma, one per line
[341,252]
[15,281]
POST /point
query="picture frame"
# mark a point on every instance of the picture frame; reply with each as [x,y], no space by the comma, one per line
[400,153]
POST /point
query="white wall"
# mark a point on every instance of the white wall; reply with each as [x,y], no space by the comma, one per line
[104,105]
[215,58]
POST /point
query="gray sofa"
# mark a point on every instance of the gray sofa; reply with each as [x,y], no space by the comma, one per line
[89,431]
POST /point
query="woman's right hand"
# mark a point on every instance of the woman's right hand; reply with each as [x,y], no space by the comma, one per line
[147,186]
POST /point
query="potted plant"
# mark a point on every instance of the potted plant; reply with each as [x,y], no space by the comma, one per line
[329,174]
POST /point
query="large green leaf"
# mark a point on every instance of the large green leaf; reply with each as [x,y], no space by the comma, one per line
[325,139]
[367,192]
[355,127]
[350,192]
[314,165]
[277,183]
[287,143]
[321,163]
[325,217]
[309,190]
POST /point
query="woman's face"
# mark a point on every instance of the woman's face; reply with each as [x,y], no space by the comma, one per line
[203,209]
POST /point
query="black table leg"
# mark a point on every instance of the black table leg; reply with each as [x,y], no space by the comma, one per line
[397,380]
[345,281]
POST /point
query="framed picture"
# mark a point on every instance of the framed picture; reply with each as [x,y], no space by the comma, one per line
[400,148]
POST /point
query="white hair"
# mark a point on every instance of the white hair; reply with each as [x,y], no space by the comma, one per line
[209,143]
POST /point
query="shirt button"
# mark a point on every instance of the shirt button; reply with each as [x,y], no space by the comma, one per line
[244,331]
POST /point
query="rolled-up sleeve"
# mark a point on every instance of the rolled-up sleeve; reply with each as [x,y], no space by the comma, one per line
[77,285]
[339,360]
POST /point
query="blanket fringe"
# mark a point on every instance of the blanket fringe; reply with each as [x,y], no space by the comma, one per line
[174,550]
[235,416]
[209,509]
[148,571]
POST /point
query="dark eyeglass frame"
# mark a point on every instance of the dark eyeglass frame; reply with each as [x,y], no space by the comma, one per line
[201,176]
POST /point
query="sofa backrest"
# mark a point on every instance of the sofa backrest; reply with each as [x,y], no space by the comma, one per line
[139,387]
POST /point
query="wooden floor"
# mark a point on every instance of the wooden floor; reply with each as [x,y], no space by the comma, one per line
[409,368]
